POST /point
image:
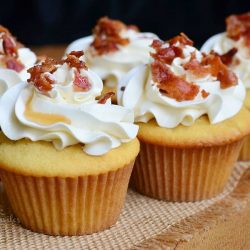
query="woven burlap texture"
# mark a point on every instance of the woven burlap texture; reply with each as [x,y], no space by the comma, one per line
[144,223]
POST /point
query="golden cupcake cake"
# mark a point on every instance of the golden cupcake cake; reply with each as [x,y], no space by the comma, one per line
[15,59]
[113,49]
[65,157]
[189,107]
[233,47]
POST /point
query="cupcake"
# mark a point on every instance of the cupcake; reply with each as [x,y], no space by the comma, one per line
[189,107]
[73,155]
[14,60]
[113,49]
[233,47]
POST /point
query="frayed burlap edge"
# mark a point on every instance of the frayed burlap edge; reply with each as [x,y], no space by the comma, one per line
[187,228]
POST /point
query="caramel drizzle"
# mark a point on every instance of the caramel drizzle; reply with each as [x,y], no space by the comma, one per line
[42,118]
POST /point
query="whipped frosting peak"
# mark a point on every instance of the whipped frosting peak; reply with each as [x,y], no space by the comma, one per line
[59,104]
[180,85]
[233,46]
[114,49]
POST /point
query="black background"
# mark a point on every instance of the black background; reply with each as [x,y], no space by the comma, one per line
[39,22]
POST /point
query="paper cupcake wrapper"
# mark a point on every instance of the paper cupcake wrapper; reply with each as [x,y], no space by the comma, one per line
[67,206]
[176,174]
[245,150]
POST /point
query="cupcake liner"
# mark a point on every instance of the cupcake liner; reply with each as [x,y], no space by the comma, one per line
[245,150]
[178,174]
[67,206]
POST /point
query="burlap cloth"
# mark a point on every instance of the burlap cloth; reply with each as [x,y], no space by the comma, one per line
[144,223]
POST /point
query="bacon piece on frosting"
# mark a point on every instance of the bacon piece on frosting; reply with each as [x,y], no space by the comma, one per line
[196,68]
[227,58]
[9,46]
[8,42]
[238,25]
[167,51]
[106,96]
[9,50]
[81,83]
[212,64]
[14,64]
[219,70]
[204,93]
[40,75]
[73,60]
[171,85]
[165,54]
[178,87]
[107,35]
[182,39]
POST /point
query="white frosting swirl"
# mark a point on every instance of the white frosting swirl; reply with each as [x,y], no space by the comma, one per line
[143,96]
[221,44]
[100,127]
[112,66]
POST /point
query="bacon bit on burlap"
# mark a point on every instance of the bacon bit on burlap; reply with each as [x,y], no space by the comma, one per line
[107,37]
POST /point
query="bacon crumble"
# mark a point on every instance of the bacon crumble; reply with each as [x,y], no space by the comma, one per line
[41,74]
[106,96]
[178,87]
[238,26]
[73,60]
[171,85]
[165,54]
[107,36]
[182,39]
[227,58]
[14,64]
[204,93]
[219,70]
[196,68]
[9,50]
[81,83]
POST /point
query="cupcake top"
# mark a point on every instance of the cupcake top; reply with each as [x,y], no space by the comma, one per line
[114,49]
[233,46]
[180,85]
[59,103]
[14,60]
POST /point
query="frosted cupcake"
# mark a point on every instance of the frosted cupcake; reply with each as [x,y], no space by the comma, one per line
[113,49]
[189,107]
[233,46]
[14,60]
[73,155]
